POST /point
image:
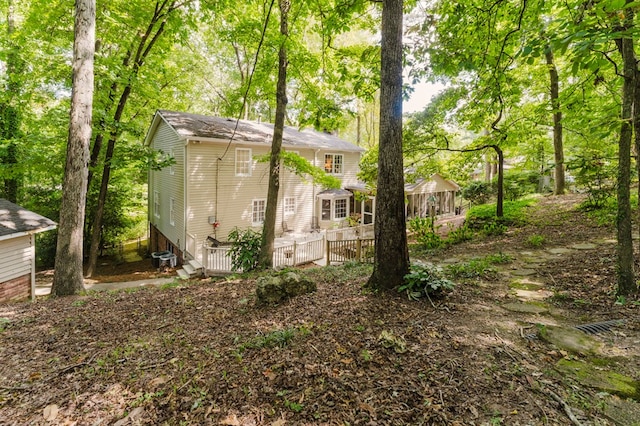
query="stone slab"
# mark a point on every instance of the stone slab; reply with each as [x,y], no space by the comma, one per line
[559,250]
[569,339]
[599,378]
[525,308]
[584,246]
[523,272]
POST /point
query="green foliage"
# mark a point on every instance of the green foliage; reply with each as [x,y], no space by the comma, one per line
[494,228]
[478,192]
[299,165]
[597,177]
[536,240]
[245,248]
[274,339]
[514,213]
[519,184]
[425,280]
[459,235]
[420,226]
[477,268]
[4,323]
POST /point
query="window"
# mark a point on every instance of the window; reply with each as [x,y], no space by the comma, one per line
[172,211]
[243,162]
[340,208]
[172,156]
[289,206]
[326,209]
[156,204]
[333,164]
[257,216]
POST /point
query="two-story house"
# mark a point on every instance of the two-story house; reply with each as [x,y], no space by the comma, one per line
[219,180]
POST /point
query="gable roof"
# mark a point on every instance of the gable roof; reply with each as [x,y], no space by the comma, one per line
[436,183]
[18,220]
[203,127]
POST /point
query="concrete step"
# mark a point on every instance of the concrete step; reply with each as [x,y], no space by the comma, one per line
[189,269]
[183,275]
[196,265]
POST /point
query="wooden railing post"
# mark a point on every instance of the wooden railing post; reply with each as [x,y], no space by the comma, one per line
[358,249]
[295,253]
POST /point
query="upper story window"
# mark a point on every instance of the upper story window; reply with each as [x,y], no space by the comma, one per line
[259,207]
[172,167]
[156,204]
[243,162]
[289,206]
[333,163]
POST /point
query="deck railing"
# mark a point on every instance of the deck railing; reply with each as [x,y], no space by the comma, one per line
[217,261]
[358,250]
[350,233]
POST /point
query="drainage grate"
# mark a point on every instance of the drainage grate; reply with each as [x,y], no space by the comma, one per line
[594,328]
[599,327]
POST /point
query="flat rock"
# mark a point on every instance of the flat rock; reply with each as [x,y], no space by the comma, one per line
[584,246]
[569,339]
[451,260]
[559,250]
[526,284]
[526,308]
[525,295]
[598,378]
[534,260]
[523,272]
[622,411]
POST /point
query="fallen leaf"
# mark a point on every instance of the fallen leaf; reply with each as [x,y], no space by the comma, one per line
[279,422]
[269,374]
[50,412]
[158,381]
[230,420]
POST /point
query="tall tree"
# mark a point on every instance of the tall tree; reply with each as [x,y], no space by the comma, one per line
[624,271]
[265,259]
[67,278]
[10,114]
[554,91]
[391,251]
[132,63]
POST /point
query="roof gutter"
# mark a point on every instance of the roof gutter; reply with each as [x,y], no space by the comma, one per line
[25,233]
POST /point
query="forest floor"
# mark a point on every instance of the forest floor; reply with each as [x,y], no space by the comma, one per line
[202,352]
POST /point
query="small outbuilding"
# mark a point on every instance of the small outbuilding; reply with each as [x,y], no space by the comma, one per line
[18,227]
[430,197]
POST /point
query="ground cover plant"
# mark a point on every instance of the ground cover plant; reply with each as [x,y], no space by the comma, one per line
[202,352]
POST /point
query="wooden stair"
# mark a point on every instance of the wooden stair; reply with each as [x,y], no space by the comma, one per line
[191,269]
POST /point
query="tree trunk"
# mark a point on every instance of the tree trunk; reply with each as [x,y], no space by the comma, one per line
[557,122]
[624,270]
[269,228]
[96,228]
[67,278]
[500,187]
[10,114]
[391,251]
[147,40]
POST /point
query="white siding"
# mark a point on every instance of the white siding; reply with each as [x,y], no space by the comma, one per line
[234,195]
[16,258]
[169,185]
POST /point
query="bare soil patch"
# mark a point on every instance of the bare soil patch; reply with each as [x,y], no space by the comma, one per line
[203,353]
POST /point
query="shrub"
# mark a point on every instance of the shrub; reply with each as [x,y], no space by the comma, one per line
[476,268]
[519,184]
[456,236]
[425,280]
[431,241]
[245,249]
[478,192]
[421,226]
[494,228]
[536,240]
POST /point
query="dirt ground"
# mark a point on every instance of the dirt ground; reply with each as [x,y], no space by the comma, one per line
[203,353]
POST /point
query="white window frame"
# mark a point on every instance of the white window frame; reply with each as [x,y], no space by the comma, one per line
[172,211]
[172,169]
[335,208]
[289,206]
[258,209]
[156,204]
[337,167]
[243,166]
